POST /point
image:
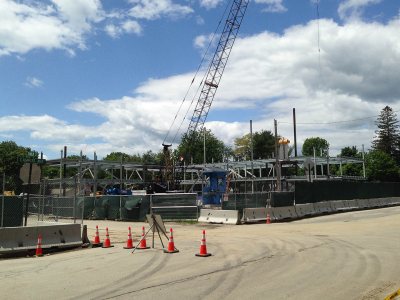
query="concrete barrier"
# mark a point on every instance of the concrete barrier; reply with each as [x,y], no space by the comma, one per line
[323,207]
[362,203]
[352,204]
[305,210]
[395,201]
[219,216]
[385,202]
[338,205]
[18,239]
[283,213]
[373,202]
[251,215]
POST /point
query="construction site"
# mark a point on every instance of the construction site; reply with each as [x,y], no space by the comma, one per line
[284,227]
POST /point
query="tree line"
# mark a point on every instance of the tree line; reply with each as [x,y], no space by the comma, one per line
[382,160]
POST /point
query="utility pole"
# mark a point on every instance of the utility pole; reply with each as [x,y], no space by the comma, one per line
[252,155]
[204,146]
[295,137]
[363,157]
[277,164]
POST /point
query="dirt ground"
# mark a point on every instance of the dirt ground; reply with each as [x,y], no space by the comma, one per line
[352,255]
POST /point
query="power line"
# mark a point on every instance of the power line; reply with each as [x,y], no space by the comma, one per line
[335,122]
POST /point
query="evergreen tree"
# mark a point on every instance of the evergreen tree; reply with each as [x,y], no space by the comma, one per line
[387,134]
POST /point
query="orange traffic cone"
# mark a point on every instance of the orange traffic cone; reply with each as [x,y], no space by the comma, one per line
[143,241]
[203,247]
[171,245]
[268,219]
[129,242]
[96,241]
[107,242]
[39,251]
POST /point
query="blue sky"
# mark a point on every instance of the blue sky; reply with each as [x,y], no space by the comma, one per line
[110,75]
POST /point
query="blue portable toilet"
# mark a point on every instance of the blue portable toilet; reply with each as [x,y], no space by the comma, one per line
[215,186]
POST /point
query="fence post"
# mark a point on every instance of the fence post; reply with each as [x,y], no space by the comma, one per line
[74,212]
[120,206]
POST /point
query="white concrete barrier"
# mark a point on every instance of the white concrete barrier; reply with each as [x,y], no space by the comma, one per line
[373,202]
[352,204]
[17,239]
[322,207]
[305,210]
[395,200]
[251,215]
[362,203]
[338,205]
[284,213]
[219,216]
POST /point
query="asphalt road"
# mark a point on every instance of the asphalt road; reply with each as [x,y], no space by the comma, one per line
[353,255]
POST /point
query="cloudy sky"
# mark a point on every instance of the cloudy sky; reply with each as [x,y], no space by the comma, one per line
[104,76]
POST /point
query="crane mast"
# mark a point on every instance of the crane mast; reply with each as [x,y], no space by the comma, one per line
[217,65]
[211,81]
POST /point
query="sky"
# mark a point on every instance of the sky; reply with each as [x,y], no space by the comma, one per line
[104,76]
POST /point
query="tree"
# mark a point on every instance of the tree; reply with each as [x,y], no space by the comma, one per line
[243,147]
[10,164]
[192,147]
[116,156]
[387,134]
[318,143]
[381,166]
[351,169]
[349,152]
[263,145]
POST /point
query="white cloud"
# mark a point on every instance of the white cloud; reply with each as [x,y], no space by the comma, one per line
[202,41]
[30,25]
[275,6]
[210,3]
[33,82]
[80,14]
[268,74]
[128,26]
[353,9]
[155,9]
[131,26]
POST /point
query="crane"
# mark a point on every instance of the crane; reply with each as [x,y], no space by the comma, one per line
[212,79]
[217,65]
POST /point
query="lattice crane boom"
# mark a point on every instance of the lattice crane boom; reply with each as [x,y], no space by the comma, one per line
[217,65]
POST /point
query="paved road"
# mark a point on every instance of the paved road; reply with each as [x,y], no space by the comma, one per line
[352,255]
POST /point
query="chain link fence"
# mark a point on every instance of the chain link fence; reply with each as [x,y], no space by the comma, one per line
[71,200]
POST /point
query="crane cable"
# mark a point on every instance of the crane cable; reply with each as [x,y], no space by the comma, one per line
[318,38]
[195,75]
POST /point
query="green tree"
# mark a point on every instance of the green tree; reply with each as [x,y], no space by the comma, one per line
[263,145]
[193,147]
[351,169]
[10,164]
[381,166]
[318,143]
[387,134]
[116,156]
[349,152]
[243,147]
